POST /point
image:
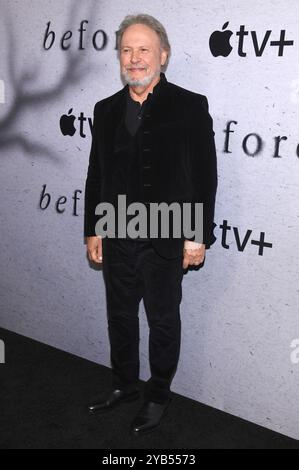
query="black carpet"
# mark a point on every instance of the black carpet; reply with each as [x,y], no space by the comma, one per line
[44,392]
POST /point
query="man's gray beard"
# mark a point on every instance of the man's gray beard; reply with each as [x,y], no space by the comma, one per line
[140,82]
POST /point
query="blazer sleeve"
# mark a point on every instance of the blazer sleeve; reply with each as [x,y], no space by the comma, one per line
[93,180]
[203,167]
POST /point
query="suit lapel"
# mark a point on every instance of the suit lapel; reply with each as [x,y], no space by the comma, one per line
[113,130]
[161,110]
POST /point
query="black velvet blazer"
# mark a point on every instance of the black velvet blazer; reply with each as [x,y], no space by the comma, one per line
[176,141]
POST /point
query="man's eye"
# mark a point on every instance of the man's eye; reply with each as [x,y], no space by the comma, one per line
[144,50]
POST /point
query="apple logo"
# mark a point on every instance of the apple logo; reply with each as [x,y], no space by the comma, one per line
[67,123]
[219,42]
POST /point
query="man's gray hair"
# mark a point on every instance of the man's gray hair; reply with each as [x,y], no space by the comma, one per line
[152,23]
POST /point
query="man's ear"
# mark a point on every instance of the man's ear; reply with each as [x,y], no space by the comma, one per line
[164,55]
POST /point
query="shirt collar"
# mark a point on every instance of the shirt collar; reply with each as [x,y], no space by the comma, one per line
[160,83]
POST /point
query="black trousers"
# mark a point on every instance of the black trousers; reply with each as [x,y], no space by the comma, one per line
[132,271]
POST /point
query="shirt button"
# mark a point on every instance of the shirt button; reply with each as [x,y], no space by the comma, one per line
[147,184]
[146,150]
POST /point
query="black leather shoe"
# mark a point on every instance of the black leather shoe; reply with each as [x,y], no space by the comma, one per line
[112,399]
[148,417]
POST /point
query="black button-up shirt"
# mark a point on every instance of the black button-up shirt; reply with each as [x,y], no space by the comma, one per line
[133,119]
[135,110]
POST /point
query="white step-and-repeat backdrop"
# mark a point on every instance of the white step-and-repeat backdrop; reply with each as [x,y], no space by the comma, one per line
[240,318]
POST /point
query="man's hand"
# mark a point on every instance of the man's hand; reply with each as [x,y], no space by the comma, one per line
[194,253]
[94,249]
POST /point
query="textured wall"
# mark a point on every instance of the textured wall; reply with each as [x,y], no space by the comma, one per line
[240,312]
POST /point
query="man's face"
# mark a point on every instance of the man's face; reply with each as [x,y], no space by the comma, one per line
[141,55]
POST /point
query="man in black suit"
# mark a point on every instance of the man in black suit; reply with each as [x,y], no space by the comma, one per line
[152,141]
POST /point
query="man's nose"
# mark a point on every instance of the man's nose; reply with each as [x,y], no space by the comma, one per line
[135,57]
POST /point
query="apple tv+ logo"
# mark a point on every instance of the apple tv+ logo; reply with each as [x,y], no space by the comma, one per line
[67,123]
[219,42]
